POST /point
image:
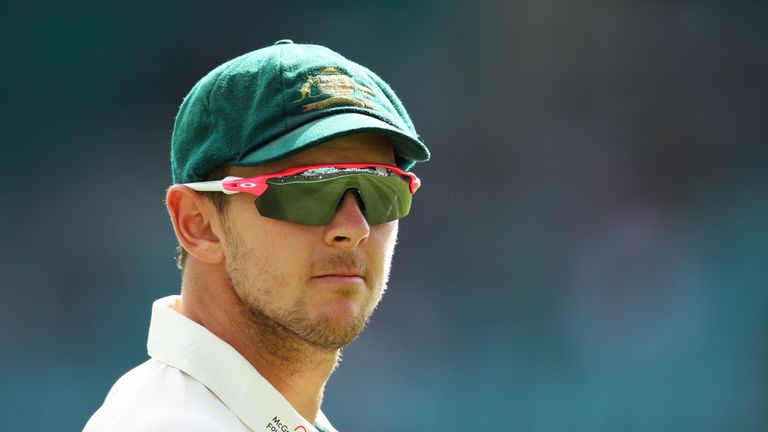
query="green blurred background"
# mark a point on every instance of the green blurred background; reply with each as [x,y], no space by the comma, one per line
[589,251]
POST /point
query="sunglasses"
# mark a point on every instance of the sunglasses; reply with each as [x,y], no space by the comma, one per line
[312,194]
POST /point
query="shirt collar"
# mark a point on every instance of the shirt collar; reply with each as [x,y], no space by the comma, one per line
[184,344]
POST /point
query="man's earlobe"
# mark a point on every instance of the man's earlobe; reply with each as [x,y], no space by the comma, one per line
[192,219]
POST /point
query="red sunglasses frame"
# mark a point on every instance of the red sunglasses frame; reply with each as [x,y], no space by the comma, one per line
[258,185]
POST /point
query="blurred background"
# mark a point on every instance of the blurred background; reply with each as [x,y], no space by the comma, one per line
[589,251]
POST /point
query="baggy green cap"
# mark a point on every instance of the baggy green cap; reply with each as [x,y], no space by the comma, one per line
[276,101]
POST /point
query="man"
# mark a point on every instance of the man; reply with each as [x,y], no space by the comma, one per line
[288,167]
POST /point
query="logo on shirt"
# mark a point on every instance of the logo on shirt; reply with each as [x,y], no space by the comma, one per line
[278,426]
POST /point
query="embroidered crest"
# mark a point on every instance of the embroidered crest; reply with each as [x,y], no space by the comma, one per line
[339,89]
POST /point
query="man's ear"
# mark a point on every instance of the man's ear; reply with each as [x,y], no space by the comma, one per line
[193,219]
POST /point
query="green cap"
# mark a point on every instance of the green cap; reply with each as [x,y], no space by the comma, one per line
[279,100]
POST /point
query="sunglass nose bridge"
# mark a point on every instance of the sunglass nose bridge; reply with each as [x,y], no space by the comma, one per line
[358,197]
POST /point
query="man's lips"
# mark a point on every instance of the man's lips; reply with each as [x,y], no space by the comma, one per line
[340,276]
[343,271]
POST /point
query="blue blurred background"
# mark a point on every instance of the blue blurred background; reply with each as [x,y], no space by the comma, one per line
[589,251]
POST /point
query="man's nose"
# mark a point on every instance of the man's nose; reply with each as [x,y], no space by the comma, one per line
[348,227]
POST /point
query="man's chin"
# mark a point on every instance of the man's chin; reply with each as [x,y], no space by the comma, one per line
[332,332]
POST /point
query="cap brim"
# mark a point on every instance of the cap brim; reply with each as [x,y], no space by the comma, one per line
[408,149]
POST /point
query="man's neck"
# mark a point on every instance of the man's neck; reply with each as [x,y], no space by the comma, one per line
[296,369]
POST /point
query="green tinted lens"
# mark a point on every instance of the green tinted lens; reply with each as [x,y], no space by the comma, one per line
[314,202]
[386,198]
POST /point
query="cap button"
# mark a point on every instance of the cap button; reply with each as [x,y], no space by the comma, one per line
[283,42]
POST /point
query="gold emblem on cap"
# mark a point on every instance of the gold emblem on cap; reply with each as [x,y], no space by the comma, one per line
[342,89]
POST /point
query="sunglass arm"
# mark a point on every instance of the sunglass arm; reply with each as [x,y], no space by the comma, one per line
[212,186]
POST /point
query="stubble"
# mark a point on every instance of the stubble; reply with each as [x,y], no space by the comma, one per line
[287,334]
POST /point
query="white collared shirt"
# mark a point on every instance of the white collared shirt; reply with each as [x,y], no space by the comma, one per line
[193,382]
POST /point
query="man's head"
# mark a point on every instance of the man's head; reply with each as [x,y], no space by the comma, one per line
[282,107]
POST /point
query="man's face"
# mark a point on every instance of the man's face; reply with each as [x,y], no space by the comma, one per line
[318,283]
